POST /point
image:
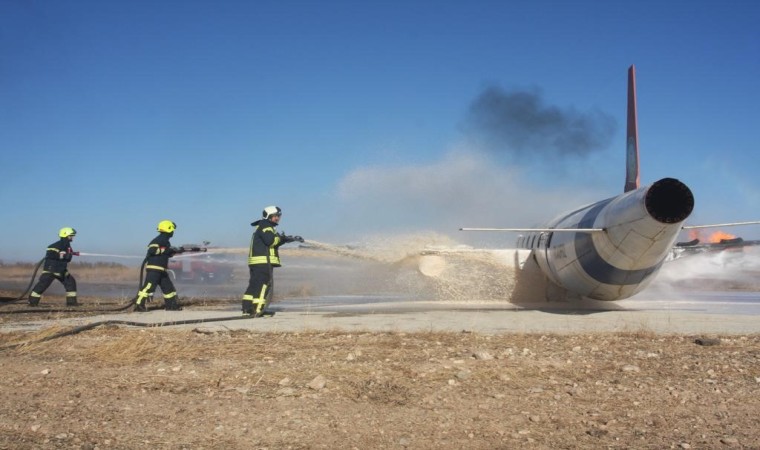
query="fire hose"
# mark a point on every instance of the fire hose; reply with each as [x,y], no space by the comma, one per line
[28,288]
[131,302]
[90,326]
[66,310]
[93,325]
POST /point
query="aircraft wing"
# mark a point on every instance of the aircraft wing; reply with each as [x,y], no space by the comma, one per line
[720,225]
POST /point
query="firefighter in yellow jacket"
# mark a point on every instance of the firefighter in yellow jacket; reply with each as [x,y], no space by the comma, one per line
[57,259]
[263,256]
[156,262]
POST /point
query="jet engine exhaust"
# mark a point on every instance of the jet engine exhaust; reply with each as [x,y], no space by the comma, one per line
[669,201]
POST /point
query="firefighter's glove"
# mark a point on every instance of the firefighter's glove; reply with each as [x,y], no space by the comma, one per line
[284,239]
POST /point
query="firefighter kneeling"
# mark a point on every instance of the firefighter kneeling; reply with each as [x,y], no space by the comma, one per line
[263,256]
[156,261]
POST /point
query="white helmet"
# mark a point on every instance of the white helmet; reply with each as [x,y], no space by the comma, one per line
[270,211]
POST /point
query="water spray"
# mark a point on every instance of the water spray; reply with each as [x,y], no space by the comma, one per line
[343,251]
[430,262]
[105,255]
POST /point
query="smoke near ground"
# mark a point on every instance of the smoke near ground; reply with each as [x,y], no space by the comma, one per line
[521,124]
[410,269]
[712,271]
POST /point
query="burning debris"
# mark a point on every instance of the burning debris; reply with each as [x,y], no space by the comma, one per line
[717,241]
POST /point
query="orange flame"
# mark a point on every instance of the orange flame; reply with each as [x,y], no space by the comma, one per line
[714,238]
[718,235]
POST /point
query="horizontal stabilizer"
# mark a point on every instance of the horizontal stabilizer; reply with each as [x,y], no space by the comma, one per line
[720,225]
[538,230]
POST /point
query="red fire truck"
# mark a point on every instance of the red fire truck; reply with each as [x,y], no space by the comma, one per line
[205,267]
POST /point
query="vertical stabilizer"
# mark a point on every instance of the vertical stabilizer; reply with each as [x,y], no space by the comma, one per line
[632,136]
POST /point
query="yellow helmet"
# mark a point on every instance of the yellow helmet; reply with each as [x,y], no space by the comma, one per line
[167,226]
[66,232]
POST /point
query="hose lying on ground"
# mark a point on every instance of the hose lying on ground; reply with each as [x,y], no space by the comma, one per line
[7,300]
[90,326]
[39,310]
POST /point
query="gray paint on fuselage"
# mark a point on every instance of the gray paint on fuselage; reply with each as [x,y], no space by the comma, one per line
[594,265]
[586,254]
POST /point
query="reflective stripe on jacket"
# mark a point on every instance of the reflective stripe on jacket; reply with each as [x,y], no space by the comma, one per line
[58,256]
[159,252]
[264,244]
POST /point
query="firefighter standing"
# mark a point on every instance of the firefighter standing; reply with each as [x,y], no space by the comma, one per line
[156,261]
[57,260]
[263,256]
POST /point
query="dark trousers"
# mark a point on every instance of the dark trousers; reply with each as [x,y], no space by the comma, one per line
[46,279]
[259,285]
[153,279]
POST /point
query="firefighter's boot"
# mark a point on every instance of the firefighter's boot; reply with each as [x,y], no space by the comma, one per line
[34,300]
[140,307]
[71,301]
[172,304]
[247,307]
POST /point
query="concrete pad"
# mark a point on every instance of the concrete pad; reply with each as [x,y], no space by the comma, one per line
[485,319]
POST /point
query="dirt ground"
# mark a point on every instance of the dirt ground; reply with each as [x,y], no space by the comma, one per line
[119,388]
[125,388]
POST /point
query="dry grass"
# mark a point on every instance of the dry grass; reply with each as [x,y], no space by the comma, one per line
[101,272]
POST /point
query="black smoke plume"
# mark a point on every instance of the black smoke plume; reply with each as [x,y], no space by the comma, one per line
[521,124]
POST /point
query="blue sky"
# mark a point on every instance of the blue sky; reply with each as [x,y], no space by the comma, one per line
[357,117]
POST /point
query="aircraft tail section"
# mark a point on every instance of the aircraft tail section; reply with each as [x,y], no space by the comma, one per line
[632,136]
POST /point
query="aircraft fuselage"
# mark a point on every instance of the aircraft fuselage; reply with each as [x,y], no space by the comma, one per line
[636,231]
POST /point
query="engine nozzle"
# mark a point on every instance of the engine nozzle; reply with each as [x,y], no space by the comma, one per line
[669,201]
